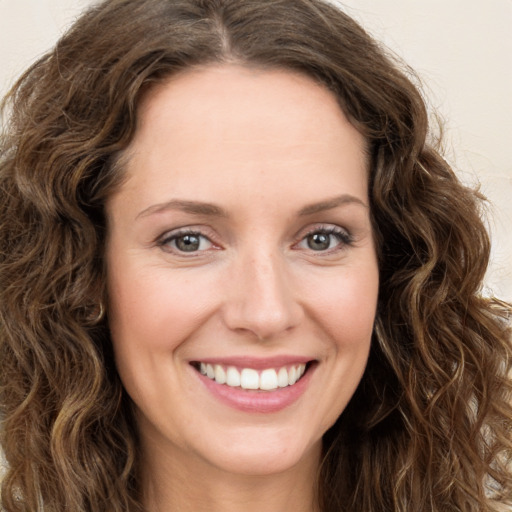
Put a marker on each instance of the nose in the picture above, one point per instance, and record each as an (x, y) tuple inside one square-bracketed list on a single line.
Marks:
[(260, 300)]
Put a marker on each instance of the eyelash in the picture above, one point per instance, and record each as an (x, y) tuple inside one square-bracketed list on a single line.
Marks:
[(344, 238), (165, 241)]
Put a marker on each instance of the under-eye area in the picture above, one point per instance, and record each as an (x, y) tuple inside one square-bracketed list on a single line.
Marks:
[(267, 379)]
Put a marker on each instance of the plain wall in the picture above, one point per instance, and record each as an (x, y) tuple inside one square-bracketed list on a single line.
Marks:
[(460, 48)]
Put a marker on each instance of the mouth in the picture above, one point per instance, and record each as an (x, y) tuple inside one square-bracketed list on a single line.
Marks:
[(267, 379), (256, 385)]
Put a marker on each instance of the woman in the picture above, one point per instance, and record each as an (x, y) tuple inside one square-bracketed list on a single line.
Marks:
[(236, 275)]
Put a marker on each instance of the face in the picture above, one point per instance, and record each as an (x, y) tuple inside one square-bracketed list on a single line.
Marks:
[(242, 271)]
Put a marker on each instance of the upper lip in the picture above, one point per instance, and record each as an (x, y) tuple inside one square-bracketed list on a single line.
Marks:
[(255, 362)]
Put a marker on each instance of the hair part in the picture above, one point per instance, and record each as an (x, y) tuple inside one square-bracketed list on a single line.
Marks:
[(429, 427)]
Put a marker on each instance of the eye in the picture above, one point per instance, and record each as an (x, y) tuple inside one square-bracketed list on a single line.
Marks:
[(186, 242), (325, 239)]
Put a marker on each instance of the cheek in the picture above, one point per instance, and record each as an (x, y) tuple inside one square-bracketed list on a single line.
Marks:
[(151, 316), (345, 303), (154, 307), (342, 306)]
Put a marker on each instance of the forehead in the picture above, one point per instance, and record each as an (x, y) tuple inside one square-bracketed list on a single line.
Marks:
[(262, 102), (241, 128)]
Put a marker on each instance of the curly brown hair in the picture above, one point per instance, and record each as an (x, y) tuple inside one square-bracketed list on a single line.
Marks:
[(430, 425)]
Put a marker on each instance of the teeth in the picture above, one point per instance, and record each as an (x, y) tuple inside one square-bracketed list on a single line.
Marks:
[(220, 374), (268, 379), (292, 376), (249, 378), (233, 377), (282, 378)]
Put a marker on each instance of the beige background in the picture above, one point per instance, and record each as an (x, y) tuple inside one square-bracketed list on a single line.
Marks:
[(461, 48)]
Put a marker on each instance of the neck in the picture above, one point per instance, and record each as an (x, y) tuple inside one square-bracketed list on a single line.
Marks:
[(183, 484)]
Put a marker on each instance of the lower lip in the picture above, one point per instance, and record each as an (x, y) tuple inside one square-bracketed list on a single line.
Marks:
[(257, 401)]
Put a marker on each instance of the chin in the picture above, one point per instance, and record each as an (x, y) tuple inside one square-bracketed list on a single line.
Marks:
[(265, 454)]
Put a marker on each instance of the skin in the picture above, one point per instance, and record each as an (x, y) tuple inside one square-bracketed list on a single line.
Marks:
[(263, 146)]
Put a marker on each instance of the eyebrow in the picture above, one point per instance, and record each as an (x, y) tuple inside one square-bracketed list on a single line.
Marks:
[(212, 210), (193, 207), (329, 204)]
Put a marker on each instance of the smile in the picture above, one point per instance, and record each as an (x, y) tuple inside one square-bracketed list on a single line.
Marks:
[(256, 385), (250, 378)]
